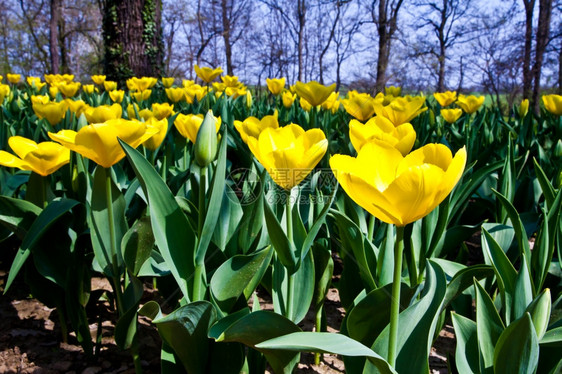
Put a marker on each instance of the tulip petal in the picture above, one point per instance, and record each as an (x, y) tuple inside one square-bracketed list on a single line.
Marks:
[(22, 146), (11, 161)]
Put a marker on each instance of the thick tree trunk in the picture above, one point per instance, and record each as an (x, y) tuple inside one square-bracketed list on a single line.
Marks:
[(543, 31), (560, 68), (384, 41), (132, 36), (226, 37), (442, 47), (301, 12), (527, 74), (54, 36)]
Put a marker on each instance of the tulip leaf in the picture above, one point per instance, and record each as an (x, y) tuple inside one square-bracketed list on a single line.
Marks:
[(523, 292), (231, 213), (45, 219), (323, 342), (137, 245), (17, 214), (465, 278), (258, 327), (238, 274), (489, 327), (284, 248), (170, 226), (546, 186), (215, 202), (517, 349), (539, 310), (552, 337), (466, 353), (126, 328), (416, 326)]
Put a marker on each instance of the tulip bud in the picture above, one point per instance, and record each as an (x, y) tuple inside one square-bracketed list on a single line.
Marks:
[(558, 148), (206, 142)]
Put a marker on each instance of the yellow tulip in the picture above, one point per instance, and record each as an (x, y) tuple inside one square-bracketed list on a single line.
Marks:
[(54, 79), (249, 100), (314, 92), (167, 82), (187, 82), (230, 81), (218, 87), (523, 108), (332, 103), (53, 91), (68, 89), (195, 92), (235, 92), (144, 114), (176, 94), (470, 103), (305, 105), (142, 95), (98, 79), (103, 113), (110, 85), (117, 96), (52, 111), (44, 158), (4, 91), (188, 125), (207, 74), (397, 189), (89, 88), (76, 106), (156, 140), (359, 105), (13, 78), (205, 147), (141, 84), (289, 153), (400, 110), (393, 91), (252, 127), (99, 143), (288, 98), (36, 83), (445, 98), (451, 115), (275, 85), (1, 78), (381, 129), (553, 103), (39, 99), (161, 111)]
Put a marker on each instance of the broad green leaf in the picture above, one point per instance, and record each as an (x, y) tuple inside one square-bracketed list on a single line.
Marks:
[(237, 274), (464, 279), (323, 342), (311, 235), (126, 328), (523, 293), (170, 226), (323, 271), (230, 216), (489, 327), (517, 349), (137, 245), (285, 250), (546, 186), (258, 327), (17, 215), (466, 353), (552, 337), (539, 310)]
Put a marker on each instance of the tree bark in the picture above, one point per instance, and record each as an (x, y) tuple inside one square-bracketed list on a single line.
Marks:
[(386, 26), (132, 35), (301, 15), (226, 37), (442, 47), (543, 31), (54, 36), (527, 74)]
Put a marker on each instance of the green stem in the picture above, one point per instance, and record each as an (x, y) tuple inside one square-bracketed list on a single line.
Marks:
[(113, 242), (318, 328), (136, 356), (371, 228), (199, 267), (289, 221), (395, 302), (413, 268)]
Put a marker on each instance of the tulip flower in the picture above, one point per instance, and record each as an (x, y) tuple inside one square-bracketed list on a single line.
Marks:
[(249, 99), (523, 108), (167, 82), (13, 78), (205, 147), (176, 94), (553, 103), (44, 158), (252, 127), (397, 189), (275, 85), (314, 92), (89, 89), (54, 79), (68, 89), (305, 105), (4, 91), (445, 98), (393, 91), (401, 110), (289, 153), (188, 125), (381, 129), (235, 92), (117, 96), (195, 92), (52, 111), (141, 84), (470, 103), (360, 106), (161, 111), (35, 82), (53, 91), (288, 98), (156, 140), (76, 106), (230, 81), (98, 79), (142, 95), (207, 74), (451, 115), (187, 83), (1, 78), (110, 85), (103, 113), (332, 103), (99, 143)]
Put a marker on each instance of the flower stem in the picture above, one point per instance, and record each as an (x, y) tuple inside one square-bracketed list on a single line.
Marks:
[(395, 302), (199, 267), (371, 228), (289, 221), (113, 242)]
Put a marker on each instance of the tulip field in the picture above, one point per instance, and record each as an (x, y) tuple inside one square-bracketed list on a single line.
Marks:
[(422, 211)]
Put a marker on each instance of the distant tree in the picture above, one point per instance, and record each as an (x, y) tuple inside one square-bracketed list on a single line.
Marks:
[(543, 33)]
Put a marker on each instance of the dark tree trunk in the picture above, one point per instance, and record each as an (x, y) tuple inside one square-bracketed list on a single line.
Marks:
[(226, 37), (301, 12), (442, 48), (543, 31), (384, 39), (560, 68), (54, 36), (527, 74), (132, 35)]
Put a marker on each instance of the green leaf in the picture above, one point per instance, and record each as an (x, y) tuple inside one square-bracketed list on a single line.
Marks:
[(285, 250), (539, 310), (489, 327), (258, 327), (323, 272), (546, 186), (17, 215), (49, 215), (137, 245), (236, 275), (552, 337), (323, 342), (523, 293), (517, 349), (466, 353), (231, 213), (170, 226), (464, 279), (126, 328)]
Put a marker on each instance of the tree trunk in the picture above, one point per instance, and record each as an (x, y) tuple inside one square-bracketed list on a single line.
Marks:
[(330, 37), (226, 37), (132, 35), (442, 48), (301, 12), (560, 68), (527, 74), (543, 31), (382, 60), (54, 36)]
